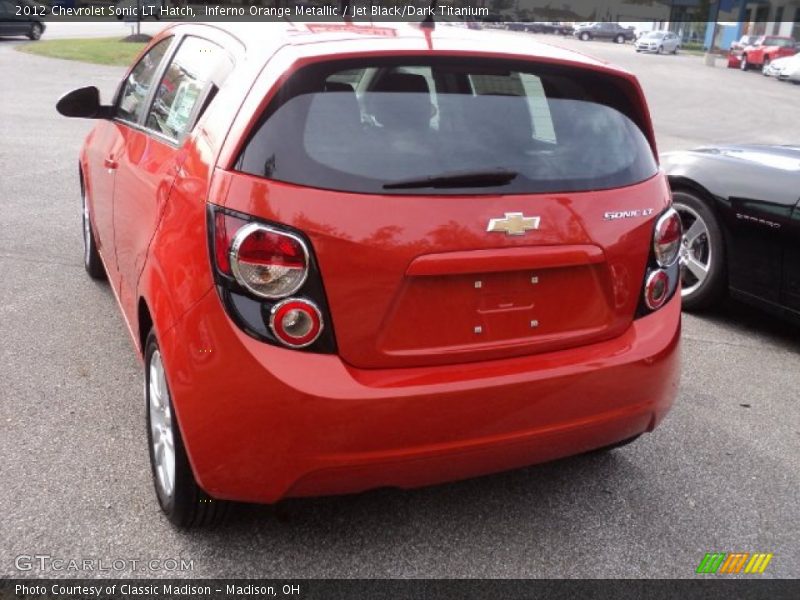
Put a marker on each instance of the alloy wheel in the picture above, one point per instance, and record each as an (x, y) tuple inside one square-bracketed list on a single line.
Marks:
[(695, 253), (161, 438)]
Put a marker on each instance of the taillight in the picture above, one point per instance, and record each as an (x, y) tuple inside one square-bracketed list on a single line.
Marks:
[(297, 323), (667, 238), (270, 263), (225, 226), (269, 281), (656, 289), (662, 274)]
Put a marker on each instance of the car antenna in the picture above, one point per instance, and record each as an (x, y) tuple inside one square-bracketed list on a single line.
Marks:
[(428, 22)]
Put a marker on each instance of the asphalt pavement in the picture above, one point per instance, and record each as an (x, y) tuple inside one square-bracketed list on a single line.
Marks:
[(722, 473)]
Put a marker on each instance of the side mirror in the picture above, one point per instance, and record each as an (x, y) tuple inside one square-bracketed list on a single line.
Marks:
[(83, 103)]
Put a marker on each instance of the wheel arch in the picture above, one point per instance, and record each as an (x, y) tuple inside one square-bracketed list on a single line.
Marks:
[(154, 307), (685, 183), (144, 323), (682, 183)]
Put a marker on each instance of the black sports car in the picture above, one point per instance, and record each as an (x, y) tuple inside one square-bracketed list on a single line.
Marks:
[(740, 207)]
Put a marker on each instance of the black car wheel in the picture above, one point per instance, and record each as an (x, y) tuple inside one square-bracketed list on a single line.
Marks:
[(764, 67), (620, 39), (180, 498), (743, 64), (91, 257), (660, 50), (702, 253), (585, 36), (36, 31)]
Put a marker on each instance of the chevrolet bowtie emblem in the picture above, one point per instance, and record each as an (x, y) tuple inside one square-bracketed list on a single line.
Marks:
[(513, 224)]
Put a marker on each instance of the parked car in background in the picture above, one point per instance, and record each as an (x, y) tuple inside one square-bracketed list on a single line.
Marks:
[(774, 68), (741, 225), (551, 27), (331, 291), (736, 49), (517, 26), (790, 71), (605, 31), (22, 17), (765, 50), (658, 42)]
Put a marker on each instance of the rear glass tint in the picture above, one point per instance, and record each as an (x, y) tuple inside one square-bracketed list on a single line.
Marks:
[(366, 127)]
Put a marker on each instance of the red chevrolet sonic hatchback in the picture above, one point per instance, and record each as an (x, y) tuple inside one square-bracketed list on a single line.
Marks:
[(354, 256)]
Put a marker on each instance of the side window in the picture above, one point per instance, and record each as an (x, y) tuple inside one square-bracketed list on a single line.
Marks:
[(136, 88), (196, 68)]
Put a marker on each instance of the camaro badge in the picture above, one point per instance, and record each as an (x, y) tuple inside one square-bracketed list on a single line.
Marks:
[(513, 224)]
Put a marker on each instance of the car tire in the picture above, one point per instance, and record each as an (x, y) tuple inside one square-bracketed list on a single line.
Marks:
[(585, 37), (675, 51), (702, 252), (36, 32), (620, 39), (764, 67), (660, 50), (91, 257), (181, 499), (743, 64)]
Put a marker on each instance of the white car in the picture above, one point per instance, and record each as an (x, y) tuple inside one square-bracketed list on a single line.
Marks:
[(774, 68), (659, 42), (790, 69)]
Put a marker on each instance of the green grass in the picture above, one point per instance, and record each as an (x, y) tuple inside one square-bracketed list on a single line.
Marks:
[(101, 51), (692, 48)]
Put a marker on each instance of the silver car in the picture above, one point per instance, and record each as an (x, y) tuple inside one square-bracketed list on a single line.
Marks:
[(659, 42)]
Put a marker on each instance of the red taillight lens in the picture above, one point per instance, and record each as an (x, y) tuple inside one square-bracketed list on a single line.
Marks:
[(270, 263), (667, 238), (656, 289), (296, 323), (225, 227)]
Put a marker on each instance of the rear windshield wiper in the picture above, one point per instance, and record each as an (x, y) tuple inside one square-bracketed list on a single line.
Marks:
[(456, 179)]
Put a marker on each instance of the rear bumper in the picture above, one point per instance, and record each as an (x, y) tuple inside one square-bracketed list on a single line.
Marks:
[(261, 423)]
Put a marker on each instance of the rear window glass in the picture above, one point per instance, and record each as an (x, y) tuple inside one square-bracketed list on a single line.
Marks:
[(449, 126)]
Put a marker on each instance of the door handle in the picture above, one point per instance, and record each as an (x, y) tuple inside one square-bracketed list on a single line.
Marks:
[(110, 164)]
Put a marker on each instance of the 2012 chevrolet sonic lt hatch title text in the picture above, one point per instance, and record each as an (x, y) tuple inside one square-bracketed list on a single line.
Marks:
[(353, 256)]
